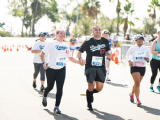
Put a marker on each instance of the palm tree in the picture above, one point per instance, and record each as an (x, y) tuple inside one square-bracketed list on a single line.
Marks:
[(118, 10), (127, 11), (154, 4), (91, 8)]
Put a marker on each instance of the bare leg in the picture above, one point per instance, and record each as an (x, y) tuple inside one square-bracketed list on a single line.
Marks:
[(133, 90), (137, 79), (42, 82)]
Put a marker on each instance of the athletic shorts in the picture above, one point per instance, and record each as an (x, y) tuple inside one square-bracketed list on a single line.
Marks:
[(77, 48), (72, 47), (107, 59), (141, 70), (97, 78)]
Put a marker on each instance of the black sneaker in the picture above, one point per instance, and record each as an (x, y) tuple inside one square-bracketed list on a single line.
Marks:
[(44, 101), (42, 88), (90, 106), (34, 85)]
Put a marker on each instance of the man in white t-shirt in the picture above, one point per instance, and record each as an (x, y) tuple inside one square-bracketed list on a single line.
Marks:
[(79, 42)]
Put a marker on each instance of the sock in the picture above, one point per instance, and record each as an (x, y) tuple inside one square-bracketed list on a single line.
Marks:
[(95, 91), (89, 96)]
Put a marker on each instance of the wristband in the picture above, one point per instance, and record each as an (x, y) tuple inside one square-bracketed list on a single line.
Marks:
[(80, 58), (158, 51), (43, 63)]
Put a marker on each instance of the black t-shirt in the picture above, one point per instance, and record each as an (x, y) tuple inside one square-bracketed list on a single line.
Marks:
[(95, 48)]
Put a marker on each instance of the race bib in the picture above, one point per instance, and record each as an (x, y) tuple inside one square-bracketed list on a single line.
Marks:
[(139, 56), (96, 61), (158, 56), (61, 61), (138, 63)]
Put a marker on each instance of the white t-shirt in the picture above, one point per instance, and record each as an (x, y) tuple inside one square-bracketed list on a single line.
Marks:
[(138, 54), (79, 41), (58, 52), (145, 39), (38, 45)]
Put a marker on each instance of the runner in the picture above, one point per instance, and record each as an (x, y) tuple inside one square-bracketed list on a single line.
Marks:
[(95, 69), (38, 66), (79, 42), (105, 34), (140, 54), (155, 62), (55, 68), (73, 43)]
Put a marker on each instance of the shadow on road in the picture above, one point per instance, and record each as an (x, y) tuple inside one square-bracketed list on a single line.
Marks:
[(151, 110), (105, 116), (156, 92), (117, 85), (60, 116), (51, 95)]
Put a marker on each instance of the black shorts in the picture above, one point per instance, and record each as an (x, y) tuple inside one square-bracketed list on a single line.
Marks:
[(141, 70), (77, 48), (97, 78)]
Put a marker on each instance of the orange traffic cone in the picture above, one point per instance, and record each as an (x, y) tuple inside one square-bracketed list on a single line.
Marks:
[(17, 49), (28, 48), (7, 48), (4, 49), (116, 60), (113, 55), (10, 48)]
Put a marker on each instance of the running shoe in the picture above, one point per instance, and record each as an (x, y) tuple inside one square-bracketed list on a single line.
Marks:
[(131, 98), (56, 110), (138, 103), (42, 88), (34, 85), (158, 87), (151, 89), (44, 101), (90, 106), (108, 80)]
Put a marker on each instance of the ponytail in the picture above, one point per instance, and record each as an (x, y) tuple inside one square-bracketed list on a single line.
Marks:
[(37, 40)]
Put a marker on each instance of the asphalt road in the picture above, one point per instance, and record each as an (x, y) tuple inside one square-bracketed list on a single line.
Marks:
[(19, 101)]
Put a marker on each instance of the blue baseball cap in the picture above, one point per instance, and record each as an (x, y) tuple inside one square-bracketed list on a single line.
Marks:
[(105, 31), (42, 33), (139, 36)]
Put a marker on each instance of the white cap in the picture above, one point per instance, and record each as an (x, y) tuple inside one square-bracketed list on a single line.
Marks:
[(158, 30)]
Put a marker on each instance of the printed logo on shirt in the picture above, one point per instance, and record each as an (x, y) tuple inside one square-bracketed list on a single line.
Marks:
[(41, 46), (61, 47), (102, 51), (97, 48)]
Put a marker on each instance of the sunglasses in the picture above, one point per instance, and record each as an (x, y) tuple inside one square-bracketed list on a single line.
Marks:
[(42, 35), (106, 33)]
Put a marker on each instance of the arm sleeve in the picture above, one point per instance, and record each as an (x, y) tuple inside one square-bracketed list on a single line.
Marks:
[(47, 48), (128, 54), (35, 46), (83, 47)]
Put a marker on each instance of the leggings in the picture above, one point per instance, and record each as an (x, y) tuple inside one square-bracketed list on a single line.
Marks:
[(155, 65), (58, 76), (38, 67)]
